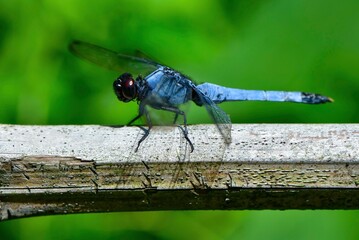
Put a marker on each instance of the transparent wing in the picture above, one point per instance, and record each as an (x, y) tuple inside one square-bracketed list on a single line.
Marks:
[(219, 117), (112, 60)]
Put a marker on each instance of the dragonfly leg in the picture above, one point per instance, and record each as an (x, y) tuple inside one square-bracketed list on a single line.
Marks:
[(135, 119), (142, 111), (175, 118), (184, 130), (147, 131)]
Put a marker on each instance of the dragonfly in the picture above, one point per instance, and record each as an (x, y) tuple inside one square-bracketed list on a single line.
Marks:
[(164, 88)]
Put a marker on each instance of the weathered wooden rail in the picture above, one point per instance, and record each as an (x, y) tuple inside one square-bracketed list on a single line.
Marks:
[(73, 169)]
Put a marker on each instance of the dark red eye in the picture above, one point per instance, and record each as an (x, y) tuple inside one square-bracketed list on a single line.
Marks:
[(128, 88), (125, 87)]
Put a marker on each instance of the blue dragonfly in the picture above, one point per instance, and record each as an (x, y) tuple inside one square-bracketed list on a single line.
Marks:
[(166, 89)]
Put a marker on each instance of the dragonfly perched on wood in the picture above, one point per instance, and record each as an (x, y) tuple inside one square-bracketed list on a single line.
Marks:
[(166, 89)]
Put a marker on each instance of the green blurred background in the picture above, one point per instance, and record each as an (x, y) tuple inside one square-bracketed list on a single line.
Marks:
[(273, 45)]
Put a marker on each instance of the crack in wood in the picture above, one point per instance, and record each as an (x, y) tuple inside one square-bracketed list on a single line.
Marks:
[(266, 166)]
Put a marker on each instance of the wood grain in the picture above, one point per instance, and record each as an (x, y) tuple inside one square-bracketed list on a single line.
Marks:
[(71, 169)]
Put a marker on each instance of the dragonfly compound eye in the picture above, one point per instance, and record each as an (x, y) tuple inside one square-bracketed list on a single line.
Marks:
[(125, 87)]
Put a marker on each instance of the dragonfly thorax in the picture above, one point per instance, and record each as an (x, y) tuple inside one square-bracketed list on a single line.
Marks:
[(125, 87)]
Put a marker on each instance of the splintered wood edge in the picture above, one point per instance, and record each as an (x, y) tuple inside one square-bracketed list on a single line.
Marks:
[(71, 169)]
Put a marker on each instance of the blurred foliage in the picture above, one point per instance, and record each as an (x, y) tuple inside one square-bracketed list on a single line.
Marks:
[(275, 45)]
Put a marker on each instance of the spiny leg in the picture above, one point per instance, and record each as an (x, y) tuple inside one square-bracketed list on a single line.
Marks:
[(184, 130), (147, 131), (142, 111), (175, 118)]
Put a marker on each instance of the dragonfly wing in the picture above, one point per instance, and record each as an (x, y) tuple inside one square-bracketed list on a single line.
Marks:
[(219, 117), (112, 60)]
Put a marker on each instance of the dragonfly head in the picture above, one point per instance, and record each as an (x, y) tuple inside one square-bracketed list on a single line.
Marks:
[(125, 87)]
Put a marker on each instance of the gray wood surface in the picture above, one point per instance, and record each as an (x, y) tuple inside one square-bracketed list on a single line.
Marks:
[(72, 169)]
